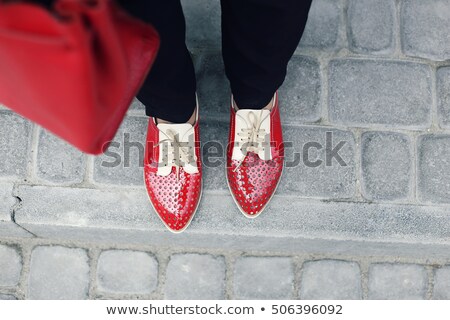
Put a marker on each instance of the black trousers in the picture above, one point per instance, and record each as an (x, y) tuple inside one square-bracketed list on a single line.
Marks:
[(258, 39)]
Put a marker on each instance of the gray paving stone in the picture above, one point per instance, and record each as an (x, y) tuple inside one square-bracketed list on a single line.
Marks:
[(202, 23), (137, 105), (129, 212), (397, 281), (309, 172), (441, 288), (322, 28), (212, 85), (122, 271), (57, 161), (7, 201), (434, 168), (391, 93), (9, 229), (10, 266), (425, 28), (122, 163), (82, 207), (443, 96), (371, 25), (15, 133), (263, 278), (58, 273), (386, 163), (214, 135), (330, 280), (195, 276), (299, 243), (300, 93), (7, 297)]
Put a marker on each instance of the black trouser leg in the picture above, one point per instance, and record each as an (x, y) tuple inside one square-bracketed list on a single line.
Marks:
[(169, 90), (258, 39)]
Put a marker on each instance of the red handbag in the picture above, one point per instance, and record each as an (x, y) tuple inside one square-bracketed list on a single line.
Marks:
[(75, 69)]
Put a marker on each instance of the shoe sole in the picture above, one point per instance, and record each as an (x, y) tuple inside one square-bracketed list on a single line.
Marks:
[(252, 216), (190, 220)]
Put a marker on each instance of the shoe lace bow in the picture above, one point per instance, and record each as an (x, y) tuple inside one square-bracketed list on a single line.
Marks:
[(252, 138), (179, 153)]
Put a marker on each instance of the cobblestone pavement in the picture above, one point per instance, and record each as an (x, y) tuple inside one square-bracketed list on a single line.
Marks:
[(50, 269), (373, 223)]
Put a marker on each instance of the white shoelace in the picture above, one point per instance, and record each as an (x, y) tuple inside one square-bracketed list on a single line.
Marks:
[(253, 137), (179, 154)]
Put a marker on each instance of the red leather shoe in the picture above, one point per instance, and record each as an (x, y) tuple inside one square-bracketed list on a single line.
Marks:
[(173, 172), (255, 157)]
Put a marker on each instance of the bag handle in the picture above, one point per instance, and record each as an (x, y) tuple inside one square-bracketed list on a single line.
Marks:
[(98, 15)]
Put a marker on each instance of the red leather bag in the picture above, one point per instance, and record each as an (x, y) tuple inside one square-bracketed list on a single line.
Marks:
[(75, 69)]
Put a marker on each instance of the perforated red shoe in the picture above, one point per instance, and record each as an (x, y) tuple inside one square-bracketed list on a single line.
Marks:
[(255, 157), (173, 172)]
